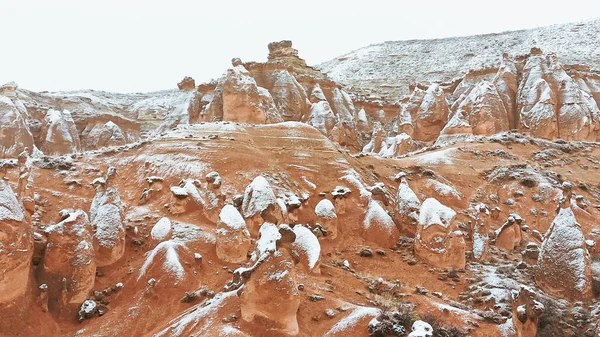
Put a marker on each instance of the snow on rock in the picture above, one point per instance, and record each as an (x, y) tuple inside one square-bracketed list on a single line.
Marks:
[(480, 112), (258, 197), (327, 218), (346, 325), (199, 318), (267, 240), (432, 212), (70, 257), (322, 117), (407, 208), (164, 263), (16, 135), (162, 230), (59, 133), (109, 234), (421, 329), (434, 242), (260, 204), (442, 189), (378, 227), (16, 246), (441, 157), (564, 267), (432, 115), (306, 247), (10, 209), (103, 134), (232, 237), (289, 96)]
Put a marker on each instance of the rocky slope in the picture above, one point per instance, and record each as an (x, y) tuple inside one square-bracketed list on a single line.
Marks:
[(275, 202), (387, 69)]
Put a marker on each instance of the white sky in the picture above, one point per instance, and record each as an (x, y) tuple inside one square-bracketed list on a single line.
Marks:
[(136, 46)]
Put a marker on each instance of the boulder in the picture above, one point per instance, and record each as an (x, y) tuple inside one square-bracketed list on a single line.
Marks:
[(162, 230), (509, 236), (233, 240), (16, 246), (564, 266)]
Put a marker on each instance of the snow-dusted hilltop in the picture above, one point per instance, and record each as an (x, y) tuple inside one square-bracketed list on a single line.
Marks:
[(388, 68)]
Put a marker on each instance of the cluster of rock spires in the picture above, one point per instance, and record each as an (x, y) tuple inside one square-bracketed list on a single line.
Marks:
[(534, 94)]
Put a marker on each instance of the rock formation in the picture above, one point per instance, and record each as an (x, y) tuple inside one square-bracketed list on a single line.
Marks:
[(271, 291), (526, 312), (435, 243), (15, 135), (509, 236), (69, 266), (307, 249), (378, 227), (407, 208), (233, 239), (259, 204), (564, 269), (16, 246), (327, 218), (59, 134)]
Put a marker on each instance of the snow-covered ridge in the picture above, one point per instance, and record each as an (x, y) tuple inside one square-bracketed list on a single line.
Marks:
[(388, 68)]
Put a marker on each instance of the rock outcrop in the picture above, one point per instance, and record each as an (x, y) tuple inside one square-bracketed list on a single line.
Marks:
[(564, 267), (16, 247), (327, 218), (407, 208), (527, 312), (435, 243), (69, 266), (271, 291), (259, 204), (378, 227), (232, 236), (59, 134), (14, 132)]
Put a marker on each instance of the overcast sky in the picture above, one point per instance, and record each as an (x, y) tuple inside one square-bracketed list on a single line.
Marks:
[(135, 46)]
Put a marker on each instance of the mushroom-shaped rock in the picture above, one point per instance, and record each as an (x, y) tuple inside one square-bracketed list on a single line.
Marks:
[(69, 266), (232, 237), (434, 242), (526, 312), (378, 227), (327, 218), (109, 235), (271, 291), (564, 267), (16, 246), (407, 208), (59, 133), (421, 329), (166, 264), (259, 204), (307, 249), (162, 230), (16, 135)]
